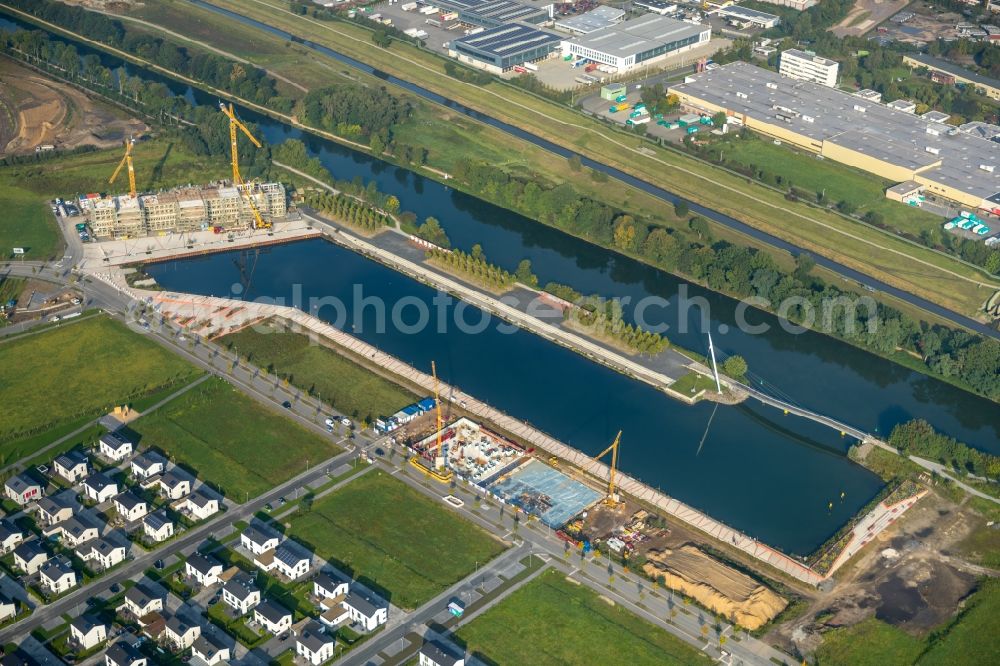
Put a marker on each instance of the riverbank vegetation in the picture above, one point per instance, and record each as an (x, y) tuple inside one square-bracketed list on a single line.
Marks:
[(603, 319), (919, 438)]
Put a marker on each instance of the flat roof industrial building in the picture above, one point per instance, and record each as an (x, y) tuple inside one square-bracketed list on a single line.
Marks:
[(499, 49), (751, 16), (495, 13), (839, 126), (639, 41), (592, 21)]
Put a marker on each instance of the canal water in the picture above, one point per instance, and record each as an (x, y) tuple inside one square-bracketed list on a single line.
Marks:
[(767, 474)]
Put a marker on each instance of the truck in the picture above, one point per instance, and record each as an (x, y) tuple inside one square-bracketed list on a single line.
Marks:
[(428, 10), (624, 106), (705, 120), (638, 113), (520, 70), (591, 67), (531, 67), (640, 106), (692, 129), (621, 98), (641, 120)]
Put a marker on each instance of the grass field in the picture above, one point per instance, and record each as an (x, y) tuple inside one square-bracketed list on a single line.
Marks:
[(897, 262), (350, 388), (27, 222), (552, 621), (969, 639), (77, 371), (232, 441), (393, 538), (693, 382)]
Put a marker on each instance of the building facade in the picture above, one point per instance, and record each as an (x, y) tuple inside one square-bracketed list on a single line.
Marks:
[(807, 66)]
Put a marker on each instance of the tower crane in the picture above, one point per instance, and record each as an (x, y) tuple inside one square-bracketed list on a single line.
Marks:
[(612, 499), (127, 159), (235, 124), (437, 407)]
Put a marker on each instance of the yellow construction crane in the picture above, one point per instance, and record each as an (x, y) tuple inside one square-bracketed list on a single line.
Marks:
[(612, 498), (437, 406), (234, 124), (127, 159)]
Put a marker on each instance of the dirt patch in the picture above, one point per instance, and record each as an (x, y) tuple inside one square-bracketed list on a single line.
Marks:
[(715, 586), (865, 15), (37, 113), (907, 577)]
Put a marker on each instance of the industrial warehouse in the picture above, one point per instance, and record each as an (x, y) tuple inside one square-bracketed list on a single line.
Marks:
[(499, 49), (495, 13), (181, 210), (896, 145), (637, 42)]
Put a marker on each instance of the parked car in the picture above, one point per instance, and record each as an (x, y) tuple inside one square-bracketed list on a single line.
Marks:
[(286, 405)]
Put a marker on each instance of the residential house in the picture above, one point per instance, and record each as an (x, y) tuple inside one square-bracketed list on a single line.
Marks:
[(174, 486), (203, 568), (366, 611), (57, 575), (158, 526), (327, 586), (436, 653), (74, 532), (114, 446), (148, 464), (30, 556), (102, 554), (87, 632), (8, 608), (179, 633), (124, 654), (292, 560), (331, 591), (313, 645), (273, 616), (130, 506), (241, 593), (22, 489), (198, 505), (10, 536), (73, 465), (140, 601), (56, 509), (259, 538), (210, 650), (99, 488)]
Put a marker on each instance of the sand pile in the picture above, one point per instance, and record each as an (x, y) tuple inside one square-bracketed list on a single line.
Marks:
[(715, 586)]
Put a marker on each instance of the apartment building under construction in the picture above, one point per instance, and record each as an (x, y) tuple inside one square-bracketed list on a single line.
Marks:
[(182, 209)]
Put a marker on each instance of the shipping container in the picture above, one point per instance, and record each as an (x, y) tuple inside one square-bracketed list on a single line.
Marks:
[(568, 56), (693, 129), (531, 66), (615, 108), (408, 7), (428, 10), (637, 121)]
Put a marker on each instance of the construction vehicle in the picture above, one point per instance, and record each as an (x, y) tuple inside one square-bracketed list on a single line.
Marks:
[(126, 160), (612, 499), (620, 107), (234, 124)]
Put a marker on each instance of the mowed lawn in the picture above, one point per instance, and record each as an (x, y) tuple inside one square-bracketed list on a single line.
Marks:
[(27, 223), (552, 621), (392, 537), (232, 441), (350, 388), (78, 370)]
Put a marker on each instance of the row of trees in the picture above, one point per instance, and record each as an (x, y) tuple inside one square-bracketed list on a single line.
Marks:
[(919, 438), (242, 79), (742, 272), (604, 318), (474, 266), (348, 209), (432, 232)]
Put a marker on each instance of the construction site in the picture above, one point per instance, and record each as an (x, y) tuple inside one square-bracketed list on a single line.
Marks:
[(221, 206)]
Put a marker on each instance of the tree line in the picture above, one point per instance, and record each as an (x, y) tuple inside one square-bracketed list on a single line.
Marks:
[(351, 109), (242, 79), (742, 272), (473, 266), (919, 438), (348, 209)]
